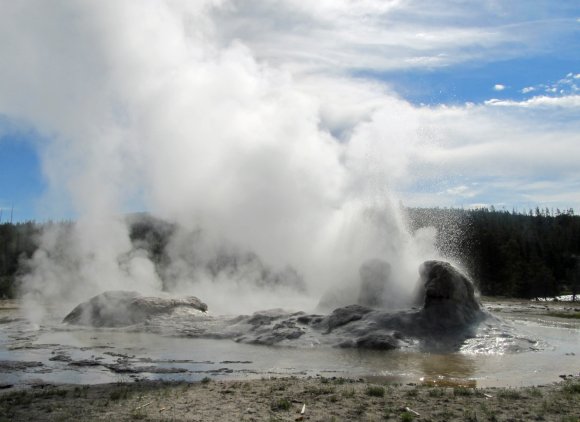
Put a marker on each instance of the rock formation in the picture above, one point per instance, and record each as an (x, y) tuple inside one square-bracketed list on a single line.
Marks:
[(450, 314), (122, 308), (449, 296)]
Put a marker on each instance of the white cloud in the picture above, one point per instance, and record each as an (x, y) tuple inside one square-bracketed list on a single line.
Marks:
[(380, 35), (461, 190), (570, 101), (299, 47), (498, 87), (564, 86)]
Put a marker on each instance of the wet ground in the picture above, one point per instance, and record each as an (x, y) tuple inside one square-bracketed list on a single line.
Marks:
[(535, 343)]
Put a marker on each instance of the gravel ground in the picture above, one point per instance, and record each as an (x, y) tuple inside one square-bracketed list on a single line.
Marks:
[(284, 399)]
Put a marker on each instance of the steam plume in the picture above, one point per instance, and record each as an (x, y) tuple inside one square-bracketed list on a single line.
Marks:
[(144, 106)]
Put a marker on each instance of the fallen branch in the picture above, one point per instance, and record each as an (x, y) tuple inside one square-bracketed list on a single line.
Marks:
[(408, 409), (142, 406)]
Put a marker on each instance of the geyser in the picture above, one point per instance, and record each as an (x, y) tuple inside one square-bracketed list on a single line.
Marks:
[(450, 315)]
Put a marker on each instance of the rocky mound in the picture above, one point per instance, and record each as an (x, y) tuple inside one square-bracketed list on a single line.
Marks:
[(122, 308), (450, 314)]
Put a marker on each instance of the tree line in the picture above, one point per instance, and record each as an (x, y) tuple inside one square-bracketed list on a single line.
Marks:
[(512, 254), (17, 243)]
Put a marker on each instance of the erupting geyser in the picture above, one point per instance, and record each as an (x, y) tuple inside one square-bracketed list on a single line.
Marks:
[(450, 315), (290, 175)]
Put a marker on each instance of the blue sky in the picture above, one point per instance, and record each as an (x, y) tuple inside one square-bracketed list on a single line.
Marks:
[(21, 180), (475, 82), (512, 147)]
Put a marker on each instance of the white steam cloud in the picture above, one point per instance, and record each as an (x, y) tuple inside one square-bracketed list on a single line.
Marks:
[(144, 108)]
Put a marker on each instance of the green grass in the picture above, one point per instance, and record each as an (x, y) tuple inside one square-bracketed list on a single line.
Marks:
[(436, 392), (534, 392), (375, 391), (119, 394), (469, 415), (573, 315), (507, 393), (572, 388), (348, 392), (81, 392), (280, 404), (463, 391), (138, 414), (16, 398), (320, 391), (488, 412), (52, 393)]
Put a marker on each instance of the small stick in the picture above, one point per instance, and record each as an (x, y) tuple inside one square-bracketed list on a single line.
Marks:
[(487, 395), (303, 409), (408, 409), (145, 405)]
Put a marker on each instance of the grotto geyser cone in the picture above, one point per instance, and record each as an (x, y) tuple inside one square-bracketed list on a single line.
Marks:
[(449, 315)]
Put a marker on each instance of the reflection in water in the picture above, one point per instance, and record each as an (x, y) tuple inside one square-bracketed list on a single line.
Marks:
[(453, 369), (452, 365)]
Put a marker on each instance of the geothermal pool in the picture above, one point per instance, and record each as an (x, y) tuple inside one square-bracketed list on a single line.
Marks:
[(56, 353)]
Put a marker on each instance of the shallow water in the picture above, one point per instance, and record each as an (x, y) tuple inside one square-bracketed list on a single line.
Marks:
[(65, 354)]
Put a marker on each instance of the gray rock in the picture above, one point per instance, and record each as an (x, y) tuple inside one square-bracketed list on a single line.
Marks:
[(122, 308), (449, 296), (450, 315)]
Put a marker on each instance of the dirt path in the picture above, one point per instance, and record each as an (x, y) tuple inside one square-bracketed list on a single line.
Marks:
[(323, 399)]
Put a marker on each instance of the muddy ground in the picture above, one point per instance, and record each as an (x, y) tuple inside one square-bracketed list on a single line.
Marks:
[(323, 399)]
